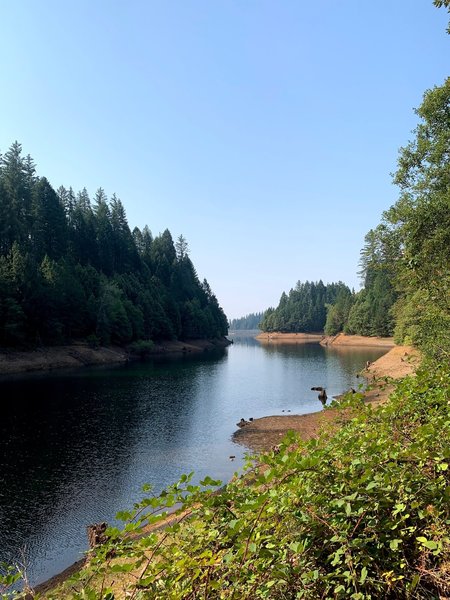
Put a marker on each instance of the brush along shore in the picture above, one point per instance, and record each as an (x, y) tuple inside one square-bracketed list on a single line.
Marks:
[(359, 512), (249, 518)]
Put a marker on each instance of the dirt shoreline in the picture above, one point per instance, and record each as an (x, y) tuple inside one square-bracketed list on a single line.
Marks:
[(340, 339), (80, 354), (262, 434), (297, 338)]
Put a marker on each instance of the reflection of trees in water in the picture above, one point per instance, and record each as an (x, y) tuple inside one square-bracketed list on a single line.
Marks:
[(57, 437), (353, 359), (294, 349), (246, 339), (67, 442)]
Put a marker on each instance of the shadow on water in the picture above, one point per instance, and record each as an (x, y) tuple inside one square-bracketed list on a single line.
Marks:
[(77, 447)]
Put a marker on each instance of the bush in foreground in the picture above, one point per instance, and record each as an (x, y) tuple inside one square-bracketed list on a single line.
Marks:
[(363, 513)]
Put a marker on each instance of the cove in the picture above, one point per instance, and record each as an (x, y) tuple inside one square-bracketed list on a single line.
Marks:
[(76, 447)]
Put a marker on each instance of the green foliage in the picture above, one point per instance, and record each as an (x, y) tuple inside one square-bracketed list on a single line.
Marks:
[(304, 309), (142, 348), (446, 4), (372, 311), (337, 313), (422, 321), (250, 321), (361, 514), (419, 226), (405, 262), (73, 270), (8, 577)]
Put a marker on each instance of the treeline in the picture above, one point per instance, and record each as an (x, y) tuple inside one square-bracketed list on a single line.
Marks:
[(405, 262), (406, 259), (71, 268), (304, 308), (369, 311), (250, 321)]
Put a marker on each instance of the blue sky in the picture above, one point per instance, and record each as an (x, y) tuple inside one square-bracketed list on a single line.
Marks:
[(263, 131)]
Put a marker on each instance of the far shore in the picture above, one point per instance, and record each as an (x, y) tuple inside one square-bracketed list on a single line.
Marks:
[(340, 339), (80, 354), (296, 338)]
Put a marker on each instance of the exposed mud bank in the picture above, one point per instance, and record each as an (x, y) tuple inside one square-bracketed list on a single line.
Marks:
[(289, 338), (264, 433), (326, 340), (357, 340), (82, 355)]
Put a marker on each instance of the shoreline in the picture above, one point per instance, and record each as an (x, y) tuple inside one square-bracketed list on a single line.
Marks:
[(297, 338), (263, 433), (266, 432), (341, 339), (80, 354)]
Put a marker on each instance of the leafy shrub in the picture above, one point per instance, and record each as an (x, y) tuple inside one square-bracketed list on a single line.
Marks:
[(362, 514), (142, 348)]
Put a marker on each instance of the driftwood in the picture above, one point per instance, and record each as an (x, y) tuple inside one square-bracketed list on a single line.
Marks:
[(96, 534), (322, 394)]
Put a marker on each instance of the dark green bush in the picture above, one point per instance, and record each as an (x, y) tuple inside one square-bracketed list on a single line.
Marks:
[(361, 514), (141, 348)]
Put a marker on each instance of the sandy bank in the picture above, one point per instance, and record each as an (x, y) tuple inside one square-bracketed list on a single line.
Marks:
[(397, 363), (357, 340), (81, 355), (297, 338), (262, 434), (326, 340)]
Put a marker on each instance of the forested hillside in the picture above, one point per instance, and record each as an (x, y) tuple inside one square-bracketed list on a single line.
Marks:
[(250, 321), (406, 259), (304, 308), (70, 268), (405, 262)]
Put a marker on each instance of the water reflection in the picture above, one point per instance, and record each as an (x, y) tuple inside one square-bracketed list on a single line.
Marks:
[(76, 447)]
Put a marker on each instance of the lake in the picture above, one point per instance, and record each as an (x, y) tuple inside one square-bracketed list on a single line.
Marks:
[(76, 447)]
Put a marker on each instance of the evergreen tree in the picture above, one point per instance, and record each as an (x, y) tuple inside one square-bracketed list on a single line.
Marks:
[(304, 309), (250, 321), (49, 229), (69, 270)]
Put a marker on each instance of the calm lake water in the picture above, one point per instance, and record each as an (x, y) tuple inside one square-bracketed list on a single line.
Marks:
[(76, 447)]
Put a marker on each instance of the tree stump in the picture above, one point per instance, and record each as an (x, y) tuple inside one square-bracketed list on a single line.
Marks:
[(96, 534)]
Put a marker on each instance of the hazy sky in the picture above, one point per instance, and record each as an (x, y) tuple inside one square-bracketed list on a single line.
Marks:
[(263, 131)]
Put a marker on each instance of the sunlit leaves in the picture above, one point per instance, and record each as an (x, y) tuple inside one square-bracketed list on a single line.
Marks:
[(363, 514)]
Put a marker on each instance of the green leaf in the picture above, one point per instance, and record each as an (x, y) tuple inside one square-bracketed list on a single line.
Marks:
[(393, 544), (371, 485), (363, 575), (430, 544)]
